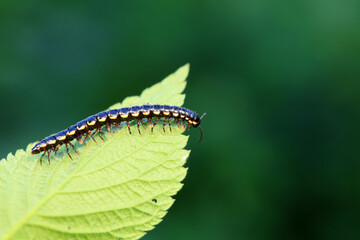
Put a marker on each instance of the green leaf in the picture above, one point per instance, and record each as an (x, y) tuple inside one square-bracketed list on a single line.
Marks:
[(116, 189)]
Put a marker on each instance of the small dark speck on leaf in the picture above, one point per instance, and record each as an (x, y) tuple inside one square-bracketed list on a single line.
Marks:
[(69, 227), (154, 200)]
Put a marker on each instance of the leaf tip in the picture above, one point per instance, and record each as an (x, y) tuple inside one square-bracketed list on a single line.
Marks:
[(184, 70)]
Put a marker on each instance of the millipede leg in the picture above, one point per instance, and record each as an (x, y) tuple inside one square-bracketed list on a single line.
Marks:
[(74, 148), (79, 139), (42, 157), (92, 135), (49, 156), (150, 123), (164, 124), (116, 126), (101, 135), (128, 125), (169, 122), (201, 134), (143, 125), (85, 138), (85, 141), (109, 127), (138, 126), (157, 119), (182, 123), (55, 151), (67, 150), (177, 122)]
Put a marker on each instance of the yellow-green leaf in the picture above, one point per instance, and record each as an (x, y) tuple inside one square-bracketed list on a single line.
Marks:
[(116, 189)]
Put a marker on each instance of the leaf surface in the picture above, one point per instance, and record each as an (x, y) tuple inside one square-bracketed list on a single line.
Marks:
[(116, 189)]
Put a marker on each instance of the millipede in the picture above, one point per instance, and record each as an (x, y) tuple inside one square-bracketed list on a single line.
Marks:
[(88, 127)]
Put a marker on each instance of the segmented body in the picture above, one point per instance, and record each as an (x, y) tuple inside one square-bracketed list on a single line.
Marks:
[(114, 117)]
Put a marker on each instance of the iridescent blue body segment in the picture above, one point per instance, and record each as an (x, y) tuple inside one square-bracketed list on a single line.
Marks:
[(88, 127)]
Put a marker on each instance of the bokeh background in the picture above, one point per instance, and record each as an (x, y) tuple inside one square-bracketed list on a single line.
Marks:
[(279, 81)]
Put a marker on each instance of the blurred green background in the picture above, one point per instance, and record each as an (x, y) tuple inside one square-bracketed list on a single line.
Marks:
[(279, 81)]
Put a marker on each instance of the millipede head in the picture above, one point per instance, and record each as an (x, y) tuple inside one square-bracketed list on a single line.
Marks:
[(197, 120)]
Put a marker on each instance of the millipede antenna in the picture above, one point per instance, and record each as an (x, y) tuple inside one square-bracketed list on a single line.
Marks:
[(201, 131), (203, 116), (201, 135)]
